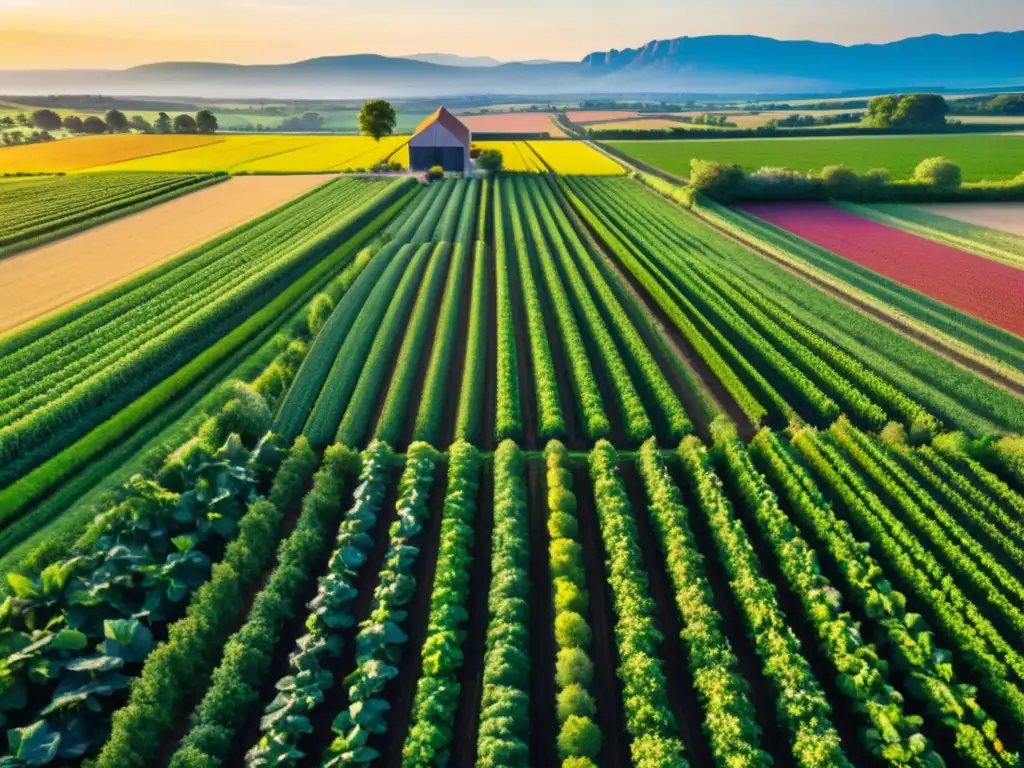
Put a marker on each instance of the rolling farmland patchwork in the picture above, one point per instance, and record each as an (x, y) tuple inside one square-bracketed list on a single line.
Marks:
[(533, 469)]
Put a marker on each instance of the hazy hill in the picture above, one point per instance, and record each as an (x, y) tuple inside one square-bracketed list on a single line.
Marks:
[(714, 64)]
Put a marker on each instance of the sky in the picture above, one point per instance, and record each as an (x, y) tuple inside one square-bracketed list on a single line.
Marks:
[(58, 34)]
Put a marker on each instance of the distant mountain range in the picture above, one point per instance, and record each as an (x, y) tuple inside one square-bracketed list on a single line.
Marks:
[(719, 64)]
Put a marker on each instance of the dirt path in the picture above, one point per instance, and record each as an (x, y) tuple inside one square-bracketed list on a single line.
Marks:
[(457, 359), (37, 282)]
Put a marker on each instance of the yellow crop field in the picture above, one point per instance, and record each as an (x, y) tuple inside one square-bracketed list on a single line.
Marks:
[(330, 153), (272, 154), (90, 152), (575, 157), (517, 155)]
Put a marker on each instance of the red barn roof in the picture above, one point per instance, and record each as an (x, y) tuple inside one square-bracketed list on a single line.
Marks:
[(455, 126)]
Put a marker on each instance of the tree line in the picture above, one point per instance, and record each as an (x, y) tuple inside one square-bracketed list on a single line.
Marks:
[(116, 121)]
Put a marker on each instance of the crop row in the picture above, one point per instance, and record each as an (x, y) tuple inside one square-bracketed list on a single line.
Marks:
[(36, 214), (378, 644), (921, 665), (132, 574), (437, 691), (504, 704), (332, 611), (91, 387), (975, 639), (579, 738), (649, 721)]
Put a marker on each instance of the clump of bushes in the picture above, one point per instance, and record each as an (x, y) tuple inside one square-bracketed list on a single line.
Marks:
[(934, 179), (938, 172)]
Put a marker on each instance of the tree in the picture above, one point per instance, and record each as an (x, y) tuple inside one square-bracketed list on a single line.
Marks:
[(938, 172), (206, 121), (722, 182), (163, 123), (185, 124), (377, 118), (23, 119), (116, 121), (1007, 104), (73, 123), (7, 121), (94, 125), (141, 124), (491, 160), (46, 119), (880, 111), (921, 112)]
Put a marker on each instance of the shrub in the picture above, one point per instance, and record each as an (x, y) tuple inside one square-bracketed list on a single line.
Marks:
[(578, 762), (579, 736), (719, 181), (878, 177), (573, 700), (561, 500), (572, 630), (938, 172), (490, 160), (319, 310), (573, 667), (562, 525), (569, 597), (893, 434), (1009, 451), (952, 443), (559, 478), (782, 184), (245, 414), (840, 180), (566, 559), (435, 172)]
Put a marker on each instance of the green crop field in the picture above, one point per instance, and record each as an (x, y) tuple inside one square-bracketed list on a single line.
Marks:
[(529, 470), (981, 158)]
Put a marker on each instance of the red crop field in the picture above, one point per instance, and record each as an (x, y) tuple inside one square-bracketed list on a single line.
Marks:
[(988, 290)]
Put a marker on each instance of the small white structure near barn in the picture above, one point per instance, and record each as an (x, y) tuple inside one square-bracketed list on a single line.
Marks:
[(442, 139)]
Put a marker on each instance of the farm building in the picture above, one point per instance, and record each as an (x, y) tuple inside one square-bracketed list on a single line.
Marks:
[(442, 139)]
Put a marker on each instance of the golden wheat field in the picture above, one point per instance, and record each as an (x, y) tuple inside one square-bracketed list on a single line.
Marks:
[(517, 155)]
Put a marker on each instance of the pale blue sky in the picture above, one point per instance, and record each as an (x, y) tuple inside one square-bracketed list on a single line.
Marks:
[(35, 33)]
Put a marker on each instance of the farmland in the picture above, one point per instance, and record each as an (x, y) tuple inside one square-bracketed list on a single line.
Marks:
[(980, 157), (49, 277), (531, 469), (514, 122), (990, 291), (180, 153)]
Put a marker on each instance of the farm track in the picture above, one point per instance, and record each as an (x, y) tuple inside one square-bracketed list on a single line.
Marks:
[(401, 691), (976, 366), (607, 688), (682, 695), (543, 730), (463, 752)]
